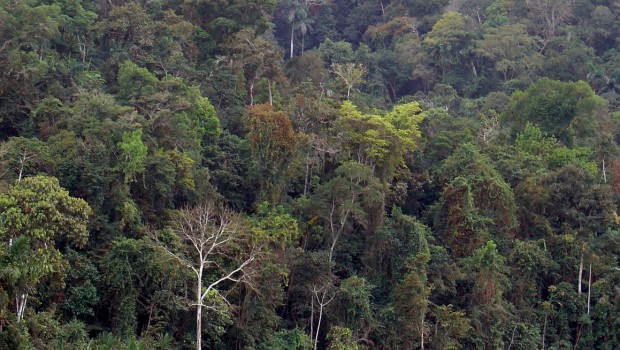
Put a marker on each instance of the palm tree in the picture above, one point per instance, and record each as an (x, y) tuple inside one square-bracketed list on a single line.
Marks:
[(304, 25), (297, 13)]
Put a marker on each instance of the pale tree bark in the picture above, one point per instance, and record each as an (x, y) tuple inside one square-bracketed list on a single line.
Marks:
[(550, 14), (21, 299), (350, 73), (292, 36), (326, 297), (23, 158), (270, 93), (580, 272), (589, 286), (208, 234), (20, 306)]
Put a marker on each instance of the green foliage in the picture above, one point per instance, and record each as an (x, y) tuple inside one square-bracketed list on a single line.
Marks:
[(377, 141), (511, 50), (412, 295), (38, 208), (346, 200), (475, 203), (173, 112), (399, 156), (452, 326), (25, 157), (353, 303), (293, 339), (274, 225), (564, 110), (548, 150), (82, 279), (340, 338), (534, 141), (273, 143), (132, 154)]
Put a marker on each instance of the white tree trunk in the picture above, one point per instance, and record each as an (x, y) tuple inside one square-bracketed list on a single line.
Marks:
[(312, 318), (252, 94), (580, 273), (270, 94), (199, 300), (318, 326), (292, 36), (589, 286), (20, 306)]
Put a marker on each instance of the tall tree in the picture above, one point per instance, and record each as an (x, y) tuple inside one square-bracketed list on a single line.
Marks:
[(475, 202), (273, 144), (210, 243), (564, 110), (35, 215)]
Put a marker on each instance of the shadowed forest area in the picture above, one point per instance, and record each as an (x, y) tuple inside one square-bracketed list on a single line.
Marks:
[(309, 174)]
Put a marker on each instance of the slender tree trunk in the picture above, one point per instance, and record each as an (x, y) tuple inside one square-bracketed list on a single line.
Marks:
[(580, 272), (589, 286), (422, 333), (22, 162), (270, 95), (199, 310), (20, 300), (312, 317), (332, 248), (318, 325), (512, 339), (292, 36), (20, 306), (544, 332), (307, 177), (199, 327), (604, 172), (252, 94), (578, 336), (302, 44)]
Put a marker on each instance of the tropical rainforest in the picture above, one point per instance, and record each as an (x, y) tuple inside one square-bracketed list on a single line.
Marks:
[(309, 174)]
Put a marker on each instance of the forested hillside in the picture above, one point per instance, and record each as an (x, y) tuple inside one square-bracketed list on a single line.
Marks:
[(310, 174)]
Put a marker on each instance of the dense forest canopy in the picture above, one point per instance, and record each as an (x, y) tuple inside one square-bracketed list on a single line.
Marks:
[(310, 174)]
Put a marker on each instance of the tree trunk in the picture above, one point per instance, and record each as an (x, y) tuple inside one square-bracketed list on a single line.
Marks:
[(20, 306), (22, 162), (318, 325), (292, 36), (270, 95), (199, 310), (252, 94), (589, 286), (312, 318), (422, 333), (199, 327), (544, 332), (580, 272), (307, 176)]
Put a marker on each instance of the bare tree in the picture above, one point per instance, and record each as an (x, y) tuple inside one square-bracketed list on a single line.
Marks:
[(351, 74), (549, 15), (210, 240)]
